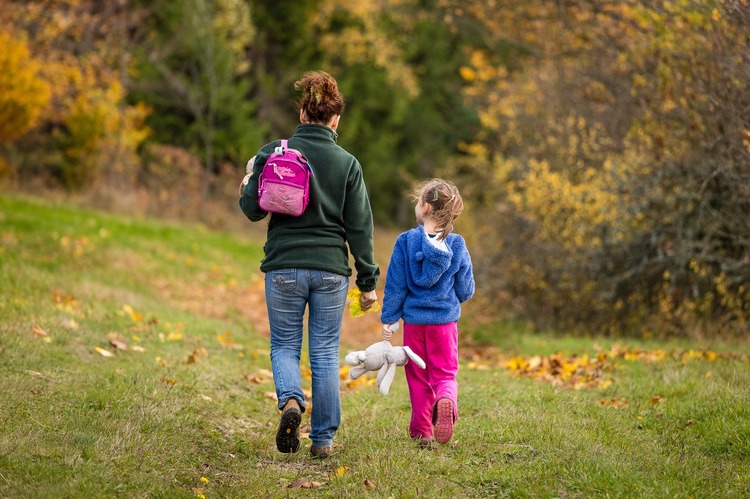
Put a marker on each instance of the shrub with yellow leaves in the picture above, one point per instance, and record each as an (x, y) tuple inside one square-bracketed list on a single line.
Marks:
[(23, 93)]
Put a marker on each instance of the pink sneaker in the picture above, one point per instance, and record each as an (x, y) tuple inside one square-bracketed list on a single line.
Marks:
[(443, 420)]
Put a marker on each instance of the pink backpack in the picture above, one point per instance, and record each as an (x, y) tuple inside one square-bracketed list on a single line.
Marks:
[(284, 183)]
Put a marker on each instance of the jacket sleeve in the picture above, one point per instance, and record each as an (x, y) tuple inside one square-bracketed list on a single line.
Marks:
[(396, 287), (465, 276), (358, 224), (249, 198)]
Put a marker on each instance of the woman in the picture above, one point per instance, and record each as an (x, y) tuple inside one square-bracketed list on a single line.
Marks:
[(306, 264)]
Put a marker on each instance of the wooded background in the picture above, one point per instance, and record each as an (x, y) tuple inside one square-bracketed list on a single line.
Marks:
[(602, 147)]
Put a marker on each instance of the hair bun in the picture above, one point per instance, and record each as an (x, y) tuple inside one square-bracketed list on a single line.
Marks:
[(320, 97)]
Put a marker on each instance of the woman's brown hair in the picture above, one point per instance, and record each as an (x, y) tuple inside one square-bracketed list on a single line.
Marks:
[(445, 201), (320, 98)]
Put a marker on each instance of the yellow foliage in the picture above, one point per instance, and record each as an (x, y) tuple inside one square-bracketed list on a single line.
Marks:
[(96, 118), (23, 94), (579, 372), (355, 307), (78, 91), (569, 212), (366, 42), (468, 73), (558, 369)]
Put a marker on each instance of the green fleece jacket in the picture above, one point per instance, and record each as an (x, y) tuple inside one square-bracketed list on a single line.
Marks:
[(338, 212)]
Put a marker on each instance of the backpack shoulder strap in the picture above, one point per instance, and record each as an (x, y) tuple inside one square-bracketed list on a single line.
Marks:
[(283, 147)]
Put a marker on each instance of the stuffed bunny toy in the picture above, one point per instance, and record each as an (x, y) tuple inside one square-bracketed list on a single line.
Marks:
[(382, 357)]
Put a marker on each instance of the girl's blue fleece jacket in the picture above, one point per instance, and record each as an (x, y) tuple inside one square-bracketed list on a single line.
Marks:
[(425, 284)]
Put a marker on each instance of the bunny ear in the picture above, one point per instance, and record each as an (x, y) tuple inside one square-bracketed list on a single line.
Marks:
[(385, 383), (416, 358)]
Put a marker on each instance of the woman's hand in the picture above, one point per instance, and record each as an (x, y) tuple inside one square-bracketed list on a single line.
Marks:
[(367, 299)]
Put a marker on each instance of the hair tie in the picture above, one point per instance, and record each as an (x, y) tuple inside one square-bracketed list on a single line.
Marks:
[(435, 195)]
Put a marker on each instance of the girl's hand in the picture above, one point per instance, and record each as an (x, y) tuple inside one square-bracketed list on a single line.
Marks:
[(387, 333), (388, 330)]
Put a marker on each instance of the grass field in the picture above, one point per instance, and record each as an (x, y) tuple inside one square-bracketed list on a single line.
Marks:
[(134, 365)]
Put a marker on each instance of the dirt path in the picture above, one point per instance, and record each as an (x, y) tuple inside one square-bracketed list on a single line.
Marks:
[(247, 300), (356, 333)]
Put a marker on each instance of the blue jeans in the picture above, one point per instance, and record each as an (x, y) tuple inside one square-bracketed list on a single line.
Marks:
[(288, 293)]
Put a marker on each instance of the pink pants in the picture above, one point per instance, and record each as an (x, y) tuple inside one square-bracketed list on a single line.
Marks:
[(437, 345)]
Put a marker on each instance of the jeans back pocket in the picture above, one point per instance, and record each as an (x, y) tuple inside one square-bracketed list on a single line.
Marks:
[(284, 280)]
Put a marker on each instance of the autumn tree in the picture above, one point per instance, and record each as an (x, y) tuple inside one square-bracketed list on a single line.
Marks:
[(23, 93), (398, 65), (614, 144), (85, 119), (191, 72)]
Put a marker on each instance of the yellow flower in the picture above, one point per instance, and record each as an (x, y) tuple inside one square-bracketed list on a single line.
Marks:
[(355, 307)]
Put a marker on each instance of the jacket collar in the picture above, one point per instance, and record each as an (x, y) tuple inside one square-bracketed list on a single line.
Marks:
[(314, 130)]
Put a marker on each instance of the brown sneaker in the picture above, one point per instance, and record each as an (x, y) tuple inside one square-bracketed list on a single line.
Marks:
[(321, 452), (287, 437), (443, 420)]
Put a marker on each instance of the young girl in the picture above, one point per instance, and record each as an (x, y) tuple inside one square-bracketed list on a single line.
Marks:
[(429, 276)]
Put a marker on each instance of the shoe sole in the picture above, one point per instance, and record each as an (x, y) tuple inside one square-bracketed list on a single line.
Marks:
[(287, 438), (444, 421)]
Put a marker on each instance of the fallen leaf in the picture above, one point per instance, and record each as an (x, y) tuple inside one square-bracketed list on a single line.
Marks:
[(304, 483), (38, 331), (134, 316), (196, 355), (227, 341), (138, 348), (174, 336), (271, 395), (36, 374), (341, 470), (655, 400), (168, 381), (63, 298), (614, 403), (369, 484), (253, 379), (119, 345), (103, 352)]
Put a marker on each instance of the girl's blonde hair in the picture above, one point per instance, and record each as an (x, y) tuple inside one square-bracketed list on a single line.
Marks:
[(445, 201)]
